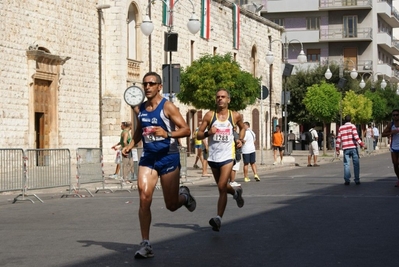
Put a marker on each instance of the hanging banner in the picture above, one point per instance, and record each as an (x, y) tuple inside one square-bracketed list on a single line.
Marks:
[(205, 19), (236, 26), (167, 17)]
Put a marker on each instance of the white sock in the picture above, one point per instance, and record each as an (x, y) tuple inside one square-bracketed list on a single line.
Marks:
[(220, 218)]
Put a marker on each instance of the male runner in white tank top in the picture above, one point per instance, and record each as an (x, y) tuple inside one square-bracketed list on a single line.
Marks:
[(222, 150)]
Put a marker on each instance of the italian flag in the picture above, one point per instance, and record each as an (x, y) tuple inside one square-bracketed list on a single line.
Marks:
[(236, 26), (167, 19), (205, 19)]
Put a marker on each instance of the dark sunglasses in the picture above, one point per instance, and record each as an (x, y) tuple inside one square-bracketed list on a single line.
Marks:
[(149, 83), (395, 115)]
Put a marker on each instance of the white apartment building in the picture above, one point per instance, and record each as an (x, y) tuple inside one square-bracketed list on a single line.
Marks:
[(66, 64), (354, 33)]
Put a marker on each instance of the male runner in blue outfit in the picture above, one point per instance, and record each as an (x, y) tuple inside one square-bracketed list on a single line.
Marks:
[(159, 126)]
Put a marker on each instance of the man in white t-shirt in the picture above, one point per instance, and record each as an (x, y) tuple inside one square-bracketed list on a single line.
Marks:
[(313, 147), (249, 153)]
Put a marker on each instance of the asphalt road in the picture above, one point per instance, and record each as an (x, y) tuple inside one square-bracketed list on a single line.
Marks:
[(298, 216)]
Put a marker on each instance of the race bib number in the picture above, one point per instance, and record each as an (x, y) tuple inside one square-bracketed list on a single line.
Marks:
[(149, 134), (222, 135)]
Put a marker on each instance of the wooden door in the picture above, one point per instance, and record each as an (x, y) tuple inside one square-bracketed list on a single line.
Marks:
[(42, 100), (350, 58)]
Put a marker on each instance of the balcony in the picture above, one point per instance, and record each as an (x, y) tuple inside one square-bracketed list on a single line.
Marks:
[(389, 44), (306, 36), (385, 69), (388, 13), (341, 35), (133, 70), (345, 4)]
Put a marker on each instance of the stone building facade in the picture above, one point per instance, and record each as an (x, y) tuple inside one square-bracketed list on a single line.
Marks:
[(64, 66)]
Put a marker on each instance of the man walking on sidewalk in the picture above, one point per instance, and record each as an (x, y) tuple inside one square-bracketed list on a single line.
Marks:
[(348, 138), (249, 153), (313, 147)]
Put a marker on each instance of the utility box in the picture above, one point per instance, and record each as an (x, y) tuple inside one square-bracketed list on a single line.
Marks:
[(175, 78)]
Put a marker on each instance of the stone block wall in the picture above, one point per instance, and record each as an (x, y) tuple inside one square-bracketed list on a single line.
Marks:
[(70, 30)]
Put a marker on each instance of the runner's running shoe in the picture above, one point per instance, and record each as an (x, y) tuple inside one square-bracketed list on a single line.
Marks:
[(145, 251), (239, 199), (190, 204), (215, 223)]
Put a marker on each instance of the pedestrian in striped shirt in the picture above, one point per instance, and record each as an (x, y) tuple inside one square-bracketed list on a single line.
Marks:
[(348, 139)]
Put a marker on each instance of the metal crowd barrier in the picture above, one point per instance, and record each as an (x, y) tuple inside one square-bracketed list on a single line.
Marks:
[(13, 173), (183, 163), (89, 168), (48, 168), (11, 169)]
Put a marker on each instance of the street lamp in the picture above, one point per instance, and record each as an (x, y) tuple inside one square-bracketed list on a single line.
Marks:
[(341, 83), (353, 72), (100, 71), (147, 27), (383, 84), (301, 59)]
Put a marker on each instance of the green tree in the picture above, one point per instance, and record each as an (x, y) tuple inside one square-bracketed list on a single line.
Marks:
[(389, 94), (298, 85), (322, 102), (358, 106), (379, 111), (201, 80)]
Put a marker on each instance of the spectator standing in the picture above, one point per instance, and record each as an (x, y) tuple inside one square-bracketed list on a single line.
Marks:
[(291, 139), (369, 133), (376, 136), (369, 137), (198, 147), (278, 144), (348, 138), (320, 139), (392, 131), (126, 160), (331, 140), (313, 147), (249, 153)]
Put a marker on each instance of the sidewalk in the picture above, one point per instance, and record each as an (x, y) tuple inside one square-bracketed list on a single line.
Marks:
[(298, 158), (264, 163)]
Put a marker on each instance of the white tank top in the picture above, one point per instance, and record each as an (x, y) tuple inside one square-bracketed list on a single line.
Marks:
[(221, 144)]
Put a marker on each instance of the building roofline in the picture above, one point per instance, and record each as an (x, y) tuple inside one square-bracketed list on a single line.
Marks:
[(252, 15)]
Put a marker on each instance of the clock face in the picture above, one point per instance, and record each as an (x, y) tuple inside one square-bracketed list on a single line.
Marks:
[(134, 96)]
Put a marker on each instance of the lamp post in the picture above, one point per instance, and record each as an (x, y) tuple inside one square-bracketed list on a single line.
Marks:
[(270, 58), (100, 72), (353, 74), (383, 84), (147, 27)]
